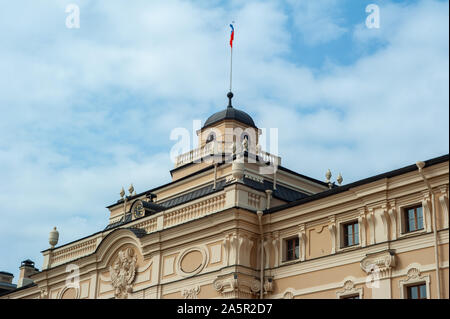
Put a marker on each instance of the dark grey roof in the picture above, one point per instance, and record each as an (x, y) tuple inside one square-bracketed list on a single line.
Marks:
[(150, 206), (174, 202), (340, 189), (138, 232), (193, 195), (230, 113), (6, 273), (7, 286), (283, 193), (18, 289)]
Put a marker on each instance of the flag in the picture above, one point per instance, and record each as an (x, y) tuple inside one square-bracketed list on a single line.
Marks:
[(232, 35)]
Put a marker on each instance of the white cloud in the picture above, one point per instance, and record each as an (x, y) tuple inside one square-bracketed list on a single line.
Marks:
[(86, 111), (318, 21)]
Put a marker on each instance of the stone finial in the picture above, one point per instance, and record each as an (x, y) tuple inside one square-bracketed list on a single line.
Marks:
[(328, 176), (122, 193), (339, 179), (131, 189), (53, 238)]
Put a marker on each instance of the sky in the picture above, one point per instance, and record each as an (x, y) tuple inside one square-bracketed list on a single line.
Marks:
[(85, 111)]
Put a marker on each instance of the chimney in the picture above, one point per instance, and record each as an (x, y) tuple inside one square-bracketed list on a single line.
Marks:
[(26, 271), (6, 284)]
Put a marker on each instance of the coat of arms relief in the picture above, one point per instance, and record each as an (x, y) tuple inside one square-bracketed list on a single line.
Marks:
[(123, 272)]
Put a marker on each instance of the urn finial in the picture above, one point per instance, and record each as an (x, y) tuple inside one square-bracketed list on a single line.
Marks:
[(328, 176), (131, 189), (339, 179), (53, 238)]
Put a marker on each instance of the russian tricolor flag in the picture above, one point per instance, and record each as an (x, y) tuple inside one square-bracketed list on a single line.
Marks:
[(232, 35)]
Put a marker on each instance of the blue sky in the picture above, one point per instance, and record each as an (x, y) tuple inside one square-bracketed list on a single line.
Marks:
[(86, 111)]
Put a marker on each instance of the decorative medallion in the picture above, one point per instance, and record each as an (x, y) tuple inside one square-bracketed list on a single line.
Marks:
[(123, 272), (192, 261)]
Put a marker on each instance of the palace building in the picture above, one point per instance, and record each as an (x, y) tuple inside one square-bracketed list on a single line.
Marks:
[(235, 223)]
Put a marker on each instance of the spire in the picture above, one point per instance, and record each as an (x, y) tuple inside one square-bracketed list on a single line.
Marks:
[(230, 96)]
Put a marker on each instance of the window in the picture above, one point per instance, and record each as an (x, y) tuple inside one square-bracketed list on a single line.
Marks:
[(292, 249), (351, 234), (417, 291), (413, 218), (350, 297), (211, 137)]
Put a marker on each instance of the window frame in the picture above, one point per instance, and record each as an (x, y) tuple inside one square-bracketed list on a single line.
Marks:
[(413, 277), (295, 250), (355, 236), (405, 215), (419, 284), (341, 223), (401, 217), (284, 247)]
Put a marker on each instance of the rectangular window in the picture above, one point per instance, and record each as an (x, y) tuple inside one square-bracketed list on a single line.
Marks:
[(351, 234), (413, 219), (292, 249), (417, 291)]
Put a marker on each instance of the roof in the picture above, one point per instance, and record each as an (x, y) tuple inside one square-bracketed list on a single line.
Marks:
[(281, 192), (120, 201), (230, 113), (176, 201), (18, 289), (340, 189), (6, 273)]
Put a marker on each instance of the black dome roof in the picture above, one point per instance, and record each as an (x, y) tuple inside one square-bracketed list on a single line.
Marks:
[(230, 113)]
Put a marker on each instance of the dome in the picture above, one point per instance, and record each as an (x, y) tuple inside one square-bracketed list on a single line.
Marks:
[(230, 113)]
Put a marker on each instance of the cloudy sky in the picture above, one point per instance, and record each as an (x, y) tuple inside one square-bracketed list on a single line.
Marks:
[(85, 111)]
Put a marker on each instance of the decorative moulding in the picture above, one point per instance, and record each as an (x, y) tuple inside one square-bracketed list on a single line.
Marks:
[(123, 272), (288, 294), (413, 276), (348, 289), (381, 262), (235, 286), (205, 258), (191, 293)]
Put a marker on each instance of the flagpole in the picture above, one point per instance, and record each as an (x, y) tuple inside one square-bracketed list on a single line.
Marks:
[(230, 94), (231, 67)]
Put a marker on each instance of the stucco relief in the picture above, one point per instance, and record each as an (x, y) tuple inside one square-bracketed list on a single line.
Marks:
[(288, 294), (414, 276), (123, 272), (235, 286), (238, 249), (348, 289), (382, 262), (191, 293), (43, 293)]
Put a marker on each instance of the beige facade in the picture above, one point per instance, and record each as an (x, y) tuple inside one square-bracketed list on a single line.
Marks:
[(203, 237)]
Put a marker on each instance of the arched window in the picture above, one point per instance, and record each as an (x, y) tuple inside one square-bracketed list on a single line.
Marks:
[(245, 136), (211, 137)]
